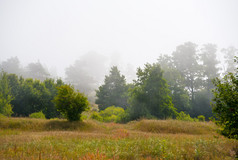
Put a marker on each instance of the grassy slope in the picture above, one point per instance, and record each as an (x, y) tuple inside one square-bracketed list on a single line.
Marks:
[(23, 138)]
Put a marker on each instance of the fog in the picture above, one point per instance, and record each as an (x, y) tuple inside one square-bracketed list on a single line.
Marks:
[(128, 33)]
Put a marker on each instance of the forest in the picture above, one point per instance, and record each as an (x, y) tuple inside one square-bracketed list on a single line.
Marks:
[(175, 85)]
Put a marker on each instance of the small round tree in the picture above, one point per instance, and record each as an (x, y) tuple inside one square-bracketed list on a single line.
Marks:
[(70, 103)]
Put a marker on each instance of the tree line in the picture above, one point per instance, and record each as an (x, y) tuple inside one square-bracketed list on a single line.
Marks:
[(173, 86), (180, 82), (20, 97)]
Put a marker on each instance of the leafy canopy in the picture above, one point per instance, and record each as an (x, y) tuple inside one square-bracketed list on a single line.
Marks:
[(70, 103), (226, 104), (150, 96)]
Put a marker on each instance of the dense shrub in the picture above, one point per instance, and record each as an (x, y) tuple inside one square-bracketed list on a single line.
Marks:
[(70, 103), (39, 115), (110, 114), (95, 115), (201, 118), (184, 117)]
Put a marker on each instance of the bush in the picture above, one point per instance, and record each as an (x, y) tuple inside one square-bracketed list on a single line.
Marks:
[(39, 115), (184, 117), (70, 103), (201, 118), (95, 115), (111, 114), (123, 117)]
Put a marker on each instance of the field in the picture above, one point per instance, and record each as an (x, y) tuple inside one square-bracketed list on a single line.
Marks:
[(25, 138)]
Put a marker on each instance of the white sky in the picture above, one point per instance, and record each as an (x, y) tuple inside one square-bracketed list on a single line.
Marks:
[(57, 32)]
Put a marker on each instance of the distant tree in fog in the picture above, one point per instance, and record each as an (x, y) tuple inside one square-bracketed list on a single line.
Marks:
[(87, 72), (229, 55), (113, 92), (12, 65), (209, 62), (185, 59), (36, 71)]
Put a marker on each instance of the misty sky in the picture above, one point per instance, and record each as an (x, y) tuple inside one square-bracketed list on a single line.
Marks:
[(57, 32)]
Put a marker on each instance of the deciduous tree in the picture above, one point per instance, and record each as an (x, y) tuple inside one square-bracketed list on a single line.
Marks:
[(150, 96), (70, 103)]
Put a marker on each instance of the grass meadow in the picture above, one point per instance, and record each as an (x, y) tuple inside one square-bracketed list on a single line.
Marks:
[(25, 138)]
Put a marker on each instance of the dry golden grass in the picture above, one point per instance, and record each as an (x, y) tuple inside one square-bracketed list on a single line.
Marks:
[(145, 139), (174, 126)]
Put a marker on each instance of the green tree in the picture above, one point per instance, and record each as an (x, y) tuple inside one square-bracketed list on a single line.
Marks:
[(5, 96), (113, 91), (50, 109), (185, 59), (70, 103), (150, 96), (32, 96), (225, 104), (176, 83)]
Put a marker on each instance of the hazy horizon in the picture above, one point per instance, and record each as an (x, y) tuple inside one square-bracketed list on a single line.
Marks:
[(132, 32)]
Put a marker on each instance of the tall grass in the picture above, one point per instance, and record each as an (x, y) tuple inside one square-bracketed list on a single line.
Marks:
[(146, 139), (174, 126), (29, 124)]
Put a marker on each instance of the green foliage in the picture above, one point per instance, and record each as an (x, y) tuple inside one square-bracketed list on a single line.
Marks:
[(50, 109), (226, 104), (111, 114), (123, 117), (201, 118), (5, 96), (150, 96), (184, 117), (95, 115), (33, 96), (113, 91), (176, 83), (39, 115), (70, 103)]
